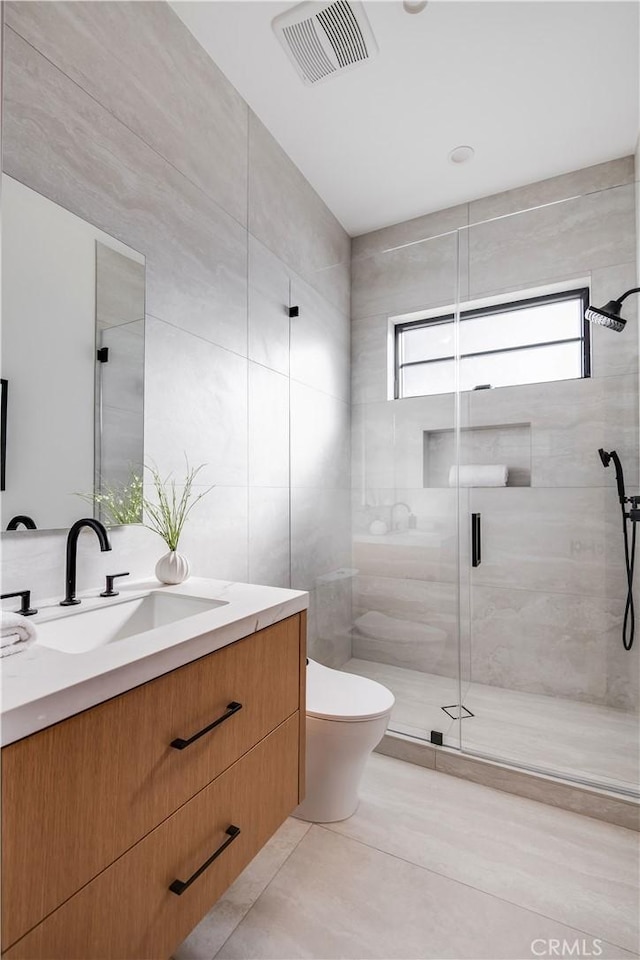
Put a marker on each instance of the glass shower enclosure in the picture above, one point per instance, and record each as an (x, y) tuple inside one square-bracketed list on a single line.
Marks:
[(491, 586)]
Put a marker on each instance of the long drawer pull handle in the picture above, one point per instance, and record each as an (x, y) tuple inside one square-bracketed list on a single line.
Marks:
[(179, 886), (232, 708)]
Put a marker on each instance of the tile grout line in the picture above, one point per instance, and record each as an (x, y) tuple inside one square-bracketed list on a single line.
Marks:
[(198, 336), (490, 585), (264, 890), (241, 356), (469, 886)]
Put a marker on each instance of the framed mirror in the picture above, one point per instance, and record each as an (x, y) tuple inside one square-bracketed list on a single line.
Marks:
[(72, 368)]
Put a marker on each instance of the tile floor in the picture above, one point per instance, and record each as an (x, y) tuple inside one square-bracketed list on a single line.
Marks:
[(563, 736), (431, 866)]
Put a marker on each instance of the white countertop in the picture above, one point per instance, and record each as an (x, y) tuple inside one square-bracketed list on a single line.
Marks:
[(41, 686)]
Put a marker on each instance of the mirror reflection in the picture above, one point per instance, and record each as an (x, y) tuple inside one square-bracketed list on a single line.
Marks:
[(72, 367)]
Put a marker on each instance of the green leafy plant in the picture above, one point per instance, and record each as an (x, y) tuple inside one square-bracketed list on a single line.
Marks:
[(119, 502), (167, 513)]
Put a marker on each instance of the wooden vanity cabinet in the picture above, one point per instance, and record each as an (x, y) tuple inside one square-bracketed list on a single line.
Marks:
[(101, 814)]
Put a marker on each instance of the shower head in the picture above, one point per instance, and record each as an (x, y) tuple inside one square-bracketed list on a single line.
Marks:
[(609, 315), (606, 460)]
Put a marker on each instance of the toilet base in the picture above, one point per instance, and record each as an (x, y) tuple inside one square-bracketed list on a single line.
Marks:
[(300, 814), (336, 755)]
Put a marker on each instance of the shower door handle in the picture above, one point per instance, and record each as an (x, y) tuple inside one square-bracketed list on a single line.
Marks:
[(476, 540)]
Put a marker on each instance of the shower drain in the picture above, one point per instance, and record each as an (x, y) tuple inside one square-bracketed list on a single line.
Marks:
[(457, 712)]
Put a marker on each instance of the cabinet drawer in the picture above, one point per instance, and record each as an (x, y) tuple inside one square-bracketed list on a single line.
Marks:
[(77, 795), (129, 911)]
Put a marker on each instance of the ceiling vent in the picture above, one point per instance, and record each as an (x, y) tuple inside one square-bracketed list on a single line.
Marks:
[(322, 39)]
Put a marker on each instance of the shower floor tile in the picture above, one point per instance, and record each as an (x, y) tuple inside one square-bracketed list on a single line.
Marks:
[(561, 736)]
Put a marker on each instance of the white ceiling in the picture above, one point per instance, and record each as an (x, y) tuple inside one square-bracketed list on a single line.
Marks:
[(537, 88)]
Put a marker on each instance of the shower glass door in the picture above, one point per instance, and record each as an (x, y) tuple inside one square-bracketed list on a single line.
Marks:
[(406, 583), (547, 684)]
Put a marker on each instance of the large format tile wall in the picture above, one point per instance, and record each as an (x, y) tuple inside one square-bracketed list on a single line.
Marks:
[(114, 111), (543, 612)]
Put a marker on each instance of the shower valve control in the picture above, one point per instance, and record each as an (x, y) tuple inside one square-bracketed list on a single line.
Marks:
[(634, 512)]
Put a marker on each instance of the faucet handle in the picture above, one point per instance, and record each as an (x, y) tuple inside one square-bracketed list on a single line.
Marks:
[(25, 602), (109, 591)]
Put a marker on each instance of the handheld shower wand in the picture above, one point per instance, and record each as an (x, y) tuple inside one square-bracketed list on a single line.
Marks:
[(606, 460), (632, 517)]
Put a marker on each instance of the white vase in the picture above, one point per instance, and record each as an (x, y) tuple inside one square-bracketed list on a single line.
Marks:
[(172, 568)]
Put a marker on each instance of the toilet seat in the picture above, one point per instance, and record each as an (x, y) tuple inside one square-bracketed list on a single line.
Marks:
[(334, 695)]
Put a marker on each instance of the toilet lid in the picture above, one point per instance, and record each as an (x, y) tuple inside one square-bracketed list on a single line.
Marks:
[(334, 695)]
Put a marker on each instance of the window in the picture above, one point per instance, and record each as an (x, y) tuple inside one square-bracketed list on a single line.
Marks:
[(527, 341)]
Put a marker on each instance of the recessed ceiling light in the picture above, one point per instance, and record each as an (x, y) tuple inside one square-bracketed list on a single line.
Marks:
[(414, 6), (461, 154)]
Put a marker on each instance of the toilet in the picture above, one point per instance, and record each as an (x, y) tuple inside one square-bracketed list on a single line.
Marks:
[(347, 716)]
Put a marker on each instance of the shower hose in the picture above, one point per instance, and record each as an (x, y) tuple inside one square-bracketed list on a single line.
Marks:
[(629, 622)]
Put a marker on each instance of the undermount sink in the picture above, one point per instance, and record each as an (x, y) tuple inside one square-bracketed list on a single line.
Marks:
[(82, 630)]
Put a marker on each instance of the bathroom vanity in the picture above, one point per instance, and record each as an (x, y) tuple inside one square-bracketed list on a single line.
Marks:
[(181, 753)]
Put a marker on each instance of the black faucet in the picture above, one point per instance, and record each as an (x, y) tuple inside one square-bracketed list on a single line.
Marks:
[(26, 610), (23, 519), (72, 555)]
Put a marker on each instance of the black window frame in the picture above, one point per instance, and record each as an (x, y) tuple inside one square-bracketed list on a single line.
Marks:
[(579, 293)]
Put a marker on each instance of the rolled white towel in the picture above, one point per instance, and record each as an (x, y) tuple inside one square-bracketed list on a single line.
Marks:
[(479, 475), (17, 633)]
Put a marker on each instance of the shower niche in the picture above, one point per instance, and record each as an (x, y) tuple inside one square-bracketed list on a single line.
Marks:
[(500, 443)]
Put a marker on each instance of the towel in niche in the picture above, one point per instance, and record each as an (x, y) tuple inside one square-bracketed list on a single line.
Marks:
[(17, 633), (479, 475)]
